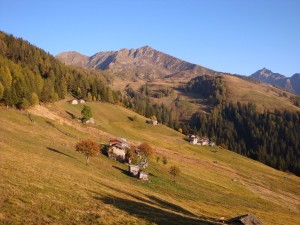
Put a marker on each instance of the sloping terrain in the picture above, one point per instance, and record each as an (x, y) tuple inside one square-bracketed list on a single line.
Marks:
[(265, 96), (43, 180)]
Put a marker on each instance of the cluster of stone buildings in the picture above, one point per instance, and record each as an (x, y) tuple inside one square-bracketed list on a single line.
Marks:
[(204, 141), (117, 149)]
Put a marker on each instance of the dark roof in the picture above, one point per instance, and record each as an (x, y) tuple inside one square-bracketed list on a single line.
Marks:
[(120, 146), (247, 219)]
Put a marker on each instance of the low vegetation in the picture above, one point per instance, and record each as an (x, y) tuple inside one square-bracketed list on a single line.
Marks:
[(62, 189)]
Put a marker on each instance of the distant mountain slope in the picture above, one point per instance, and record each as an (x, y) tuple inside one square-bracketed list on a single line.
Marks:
[(161, 72), (73, 58), (142, 63), (291, 84)]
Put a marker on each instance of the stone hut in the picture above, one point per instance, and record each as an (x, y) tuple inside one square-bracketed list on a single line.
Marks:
[(74, 102), (152, 122), (247, 219), (134, 170), (143, 175)]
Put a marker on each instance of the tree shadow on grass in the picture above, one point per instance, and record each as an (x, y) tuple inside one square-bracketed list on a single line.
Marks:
[(153, 214), (71, 115), (59, 152), (170, 206)]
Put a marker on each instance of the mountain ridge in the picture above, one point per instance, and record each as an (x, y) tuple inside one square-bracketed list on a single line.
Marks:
[(291, 84), (143, 62)]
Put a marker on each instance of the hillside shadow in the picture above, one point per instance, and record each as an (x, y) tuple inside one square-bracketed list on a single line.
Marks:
[(122, 170), (152, 213), (169, 205), (153, 208), (59, 152)]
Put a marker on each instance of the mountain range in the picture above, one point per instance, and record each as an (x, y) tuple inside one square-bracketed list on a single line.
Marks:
[(292, 84), (141, 63), (148, 63)]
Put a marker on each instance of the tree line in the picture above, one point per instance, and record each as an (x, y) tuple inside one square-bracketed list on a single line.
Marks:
[(272, 138), (29, 75)]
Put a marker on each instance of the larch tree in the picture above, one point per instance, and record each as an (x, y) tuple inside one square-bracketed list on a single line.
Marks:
[(146, 149), (88, 148)]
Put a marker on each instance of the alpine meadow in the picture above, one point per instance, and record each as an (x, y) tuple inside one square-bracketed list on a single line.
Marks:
[(137, 135)]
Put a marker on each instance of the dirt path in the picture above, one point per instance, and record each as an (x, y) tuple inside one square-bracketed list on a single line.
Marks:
[(46, 113)]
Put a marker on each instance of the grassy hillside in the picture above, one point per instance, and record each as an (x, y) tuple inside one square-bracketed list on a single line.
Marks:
[(265, 96), (43, 180)]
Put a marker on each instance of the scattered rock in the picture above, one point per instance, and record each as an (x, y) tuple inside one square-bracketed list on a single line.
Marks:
[(90, 121)]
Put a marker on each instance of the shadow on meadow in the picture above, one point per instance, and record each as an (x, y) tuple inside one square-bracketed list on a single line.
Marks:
[(153, 209), (59, 152), (154, 214)]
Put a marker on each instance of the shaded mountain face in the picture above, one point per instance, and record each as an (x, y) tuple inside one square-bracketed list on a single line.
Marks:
[(291, 84), (141, 63)]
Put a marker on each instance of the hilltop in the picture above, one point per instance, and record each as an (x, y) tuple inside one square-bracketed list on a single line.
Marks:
[(45, 181)]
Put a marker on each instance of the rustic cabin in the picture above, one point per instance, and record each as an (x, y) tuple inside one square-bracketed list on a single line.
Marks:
[(152, 122), (247, 219), (118, 148), (204, 141), (143, 175), (74, 102), (193, 139), (133, 170)]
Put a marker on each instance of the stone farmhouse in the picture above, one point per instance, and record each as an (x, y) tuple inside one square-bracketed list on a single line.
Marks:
[(204, 141), (118, 148)]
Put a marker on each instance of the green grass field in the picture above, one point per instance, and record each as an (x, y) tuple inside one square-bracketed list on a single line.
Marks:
[(45, 181)]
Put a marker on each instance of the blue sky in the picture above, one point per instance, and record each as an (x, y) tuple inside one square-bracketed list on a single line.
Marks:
[(236, 36)]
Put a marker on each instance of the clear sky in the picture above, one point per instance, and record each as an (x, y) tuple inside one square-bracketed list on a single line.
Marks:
[(236, 36)]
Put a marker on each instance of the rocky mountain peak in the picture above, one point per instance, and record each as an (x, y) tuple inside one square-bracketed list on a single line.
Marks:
[(291, 84), (144, 62)]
